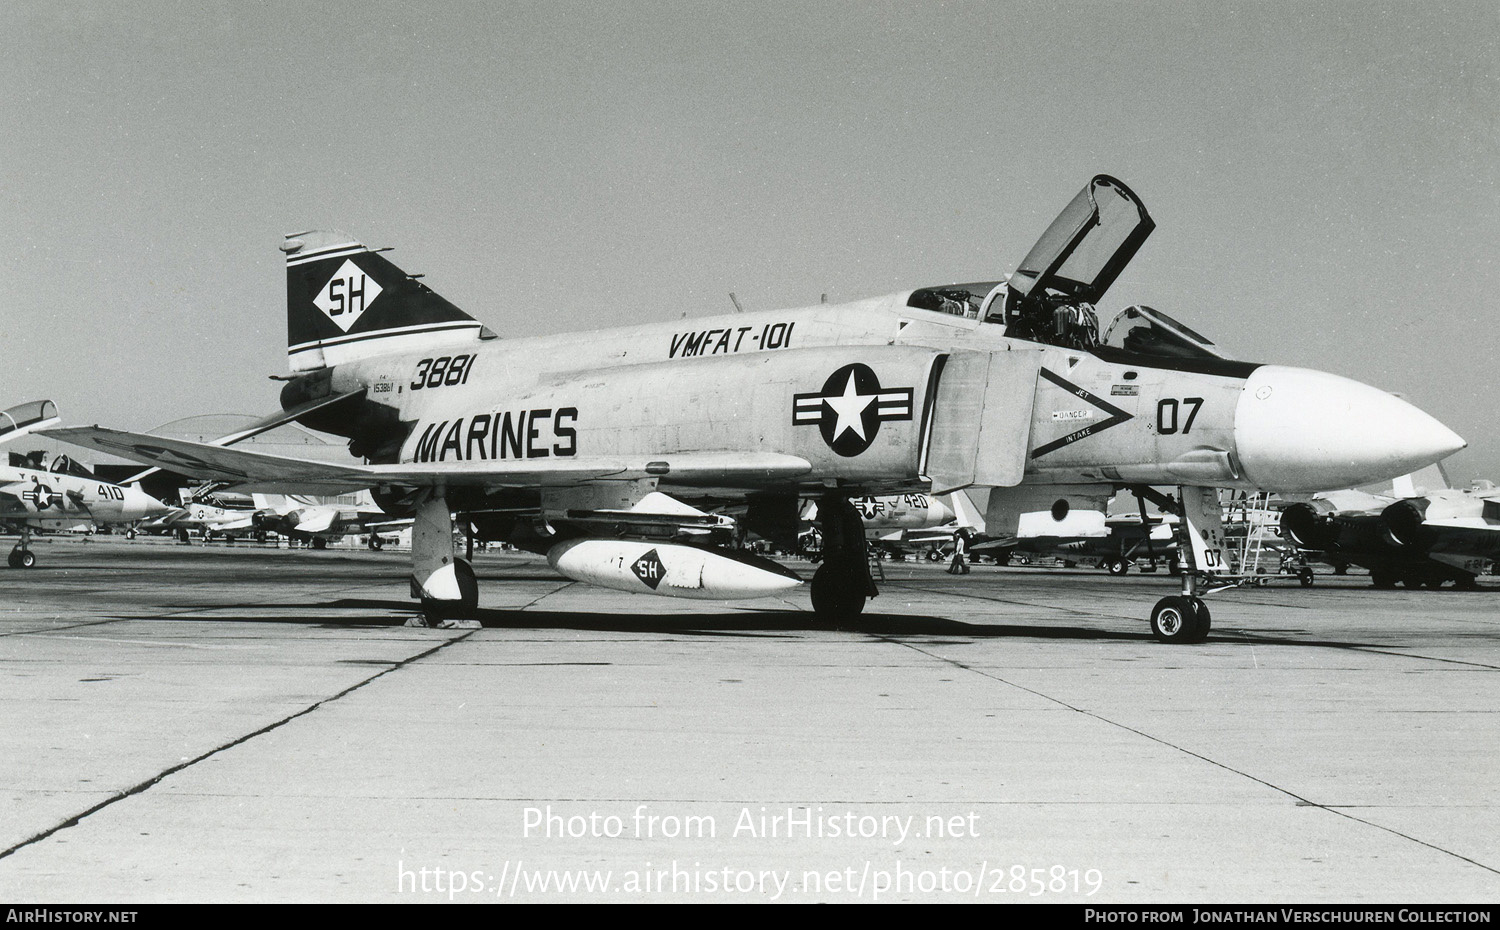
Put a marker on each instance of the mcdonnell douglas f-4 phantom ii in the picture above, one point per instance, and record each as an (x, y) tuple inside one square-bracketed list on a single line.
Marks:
[(1440, 535), (548, 441)]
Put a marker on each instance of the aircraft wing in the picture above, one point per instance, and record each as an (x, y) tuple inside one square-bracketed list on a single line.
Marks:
[(925, 537), (266, 424), (237, 466), (382, 525)]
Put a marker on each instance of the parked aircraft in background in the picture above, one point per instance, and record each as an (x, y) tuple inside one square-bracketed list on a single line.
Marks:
[(1428, 536), (35, 495), (1004, 385), (204, 514), (1116, 536), (317, 521), (898, 525), (1116, 541)]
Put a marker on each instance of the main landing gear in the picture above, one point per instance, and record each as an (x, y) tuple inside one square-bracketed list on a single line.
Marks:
[(22, 556), (842, 583), (444, 583)]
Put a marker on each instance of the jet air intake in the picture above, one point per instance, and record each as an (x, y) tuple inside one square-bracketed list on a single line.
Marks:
[(1304, 526), (1403, 522)]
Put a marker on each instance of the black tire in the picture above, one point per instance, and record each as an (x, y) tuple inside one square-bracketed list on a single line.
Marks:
[(1180, 620), (468, 598), (319, 542), (27, 559), (1205, 619), (1117, 567), (1306, 577), (837, 594), (1385, 580), (14, 559)]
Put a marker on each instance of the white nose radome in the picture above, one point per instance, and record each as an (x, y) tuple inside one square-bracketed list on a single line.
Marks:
[(139, 505), (1301, 430)]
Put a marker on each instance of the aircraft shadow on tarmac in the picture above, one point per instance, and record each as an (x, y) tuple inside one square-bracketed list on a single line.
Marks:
[(361, 612), (747, 623)]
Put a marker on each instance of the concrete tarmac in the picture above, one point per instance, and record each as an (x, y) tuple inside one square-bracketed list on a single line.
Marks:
[(241, 724)]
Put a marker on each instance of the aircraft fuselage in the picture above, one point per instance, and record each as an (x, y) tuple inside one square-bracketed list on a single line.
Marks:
[(48, 500), (877, 396)]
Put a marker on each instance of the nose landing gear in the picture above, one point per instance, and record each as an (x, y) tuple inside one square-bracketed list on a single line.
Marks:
[(1184, 618)]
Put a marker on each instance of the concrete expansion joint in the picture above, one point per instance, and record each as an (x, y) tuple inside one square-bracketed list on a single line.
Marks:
[(160, 776)]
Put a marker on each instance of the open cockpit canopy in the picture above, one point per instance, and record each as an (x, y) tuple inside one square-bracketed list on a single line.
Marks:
[(1050, 296), (23, 418), (1086, 247)]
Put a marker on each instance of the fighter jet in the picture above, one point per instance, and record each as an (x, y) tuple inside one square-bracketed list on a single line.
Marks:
[(318, 521), (897, 525), (1005, 385), (1430, 538), (60, 496), (204, 513), (1114, 540)]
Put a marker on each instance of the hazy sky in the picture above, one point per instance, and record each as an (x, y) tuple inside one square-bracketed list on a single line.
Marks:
[(1323, 174)]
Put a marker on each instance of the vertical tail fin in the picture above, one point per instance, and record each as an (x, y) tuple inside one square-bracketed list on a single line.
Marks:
[(345, 302), (965, 513)]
